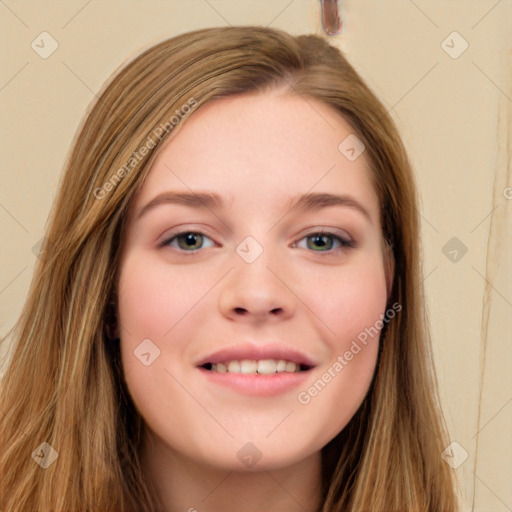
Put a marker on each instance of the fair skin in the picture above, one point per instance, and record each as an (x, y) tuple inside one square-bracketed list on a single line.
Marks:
[(196, 294)]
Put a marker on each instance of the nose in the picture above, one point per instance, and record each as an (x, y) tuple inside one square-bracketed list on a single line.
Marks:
[(257, 292)]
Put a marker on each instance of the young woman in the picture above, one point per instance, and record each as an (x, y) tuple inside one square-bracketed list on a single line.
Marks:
[(227, 314)]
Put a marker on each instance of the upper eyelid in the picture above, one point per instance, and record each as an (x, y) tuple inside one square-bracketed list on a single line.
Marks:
[(311, 231), (341, 233), (169, 234)]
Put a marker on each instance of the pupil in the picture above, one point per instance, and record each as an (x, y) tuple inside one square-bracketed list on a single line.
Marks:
[(320, 242), (190, 240)]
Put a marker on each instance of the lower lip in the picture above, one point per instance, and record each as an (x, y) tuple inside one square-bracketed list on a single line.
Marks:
[(257, 384)]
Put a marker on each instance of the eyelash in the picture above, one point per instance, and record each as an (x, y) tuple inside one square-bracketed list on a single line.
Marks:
[(344, 243)]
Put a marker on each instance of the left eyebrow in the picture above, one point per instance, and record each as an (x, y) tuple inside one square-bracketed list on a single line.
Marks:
[(315, 201)]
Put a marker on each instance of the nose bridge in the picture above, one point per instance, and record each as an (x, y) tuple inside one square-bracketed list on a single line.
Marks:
[(257, 286)]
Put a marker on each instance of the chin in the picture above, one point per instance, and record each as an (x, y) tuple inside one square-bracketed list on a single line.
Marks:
[(258, 456)]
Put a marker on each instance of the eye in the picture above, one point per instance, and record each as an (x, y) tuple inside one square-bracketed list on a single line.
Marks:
[(187, 241), (325, 242)]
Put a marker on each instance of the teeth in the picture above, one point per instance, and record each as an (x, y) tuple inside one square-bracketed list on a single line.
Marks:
[(267, 366), (252, 367), (291, 367), (281, 366), (248, 366), (234, 367)]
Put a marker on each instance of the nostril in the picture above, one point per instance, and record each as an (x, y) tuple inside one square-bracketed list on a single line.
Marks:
[(243, 311)]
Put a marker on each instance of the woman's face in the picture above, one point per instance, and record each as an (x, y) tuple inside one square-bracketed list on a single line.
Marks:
[(252, 281)]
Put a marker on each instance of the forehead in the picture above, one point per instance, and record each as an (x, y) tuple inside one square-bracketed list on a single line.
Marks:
[(261, 148)]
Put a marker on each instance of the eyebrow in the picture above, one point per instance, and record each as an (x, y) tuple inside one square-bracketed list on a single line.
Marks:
[(203, 200), (316, 201), (212, 201)]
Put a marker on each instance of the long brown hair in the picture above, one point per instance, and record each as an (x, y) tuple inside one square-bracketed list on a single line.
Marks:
[(64, 384)]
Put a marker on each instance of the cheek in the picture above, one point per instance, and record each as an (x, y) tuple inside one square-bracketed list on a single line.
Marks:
[(153, 298), (351, 308), (157, 318), (153, 305), (350, 303)]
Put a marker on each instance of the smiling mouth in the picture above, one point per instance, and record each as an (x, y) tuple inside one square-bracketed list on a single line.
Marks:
[(256, 367)]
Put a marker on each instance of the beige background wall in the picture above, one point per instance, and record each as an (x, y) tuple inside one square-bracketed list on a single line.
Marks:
[(453, 106)]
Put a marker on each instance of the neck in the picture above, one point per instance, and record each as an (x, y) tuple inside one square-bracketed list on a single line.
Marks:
[(183, 485)]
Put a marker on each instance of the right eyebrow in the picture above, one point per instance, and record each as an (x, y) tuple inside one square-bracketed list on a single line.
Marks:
[(204, 200)]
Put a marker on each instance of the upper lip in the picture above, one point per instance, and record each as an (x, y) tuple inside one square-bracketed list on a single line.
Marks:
[(258, 352)]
